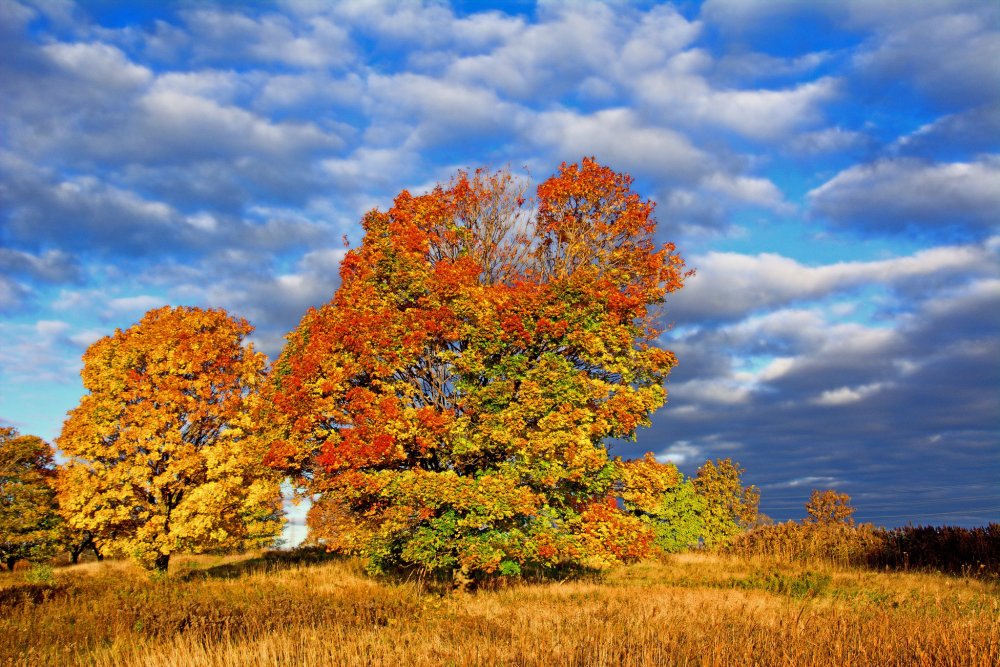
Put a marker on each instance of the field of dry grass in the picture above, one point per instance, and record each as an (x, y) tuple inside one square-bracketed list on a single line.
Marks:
[(693, 609)]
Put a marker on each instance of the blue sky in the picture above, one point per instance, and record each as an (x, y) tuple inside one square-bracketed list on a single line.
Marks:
[(831, 169)]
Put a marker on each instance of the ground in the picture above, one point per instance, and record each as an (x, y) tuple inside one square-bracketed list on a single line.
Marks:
[(690, 609)]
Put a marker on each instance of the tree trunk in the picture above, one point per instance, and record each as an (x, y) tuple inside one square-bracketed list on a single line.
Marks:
[(97, 553), (11, 562), (74, 555), (161, 562)]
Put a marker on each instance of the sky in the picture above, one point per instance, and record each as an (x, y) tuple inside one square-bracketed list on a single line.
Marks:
[(831, 169)]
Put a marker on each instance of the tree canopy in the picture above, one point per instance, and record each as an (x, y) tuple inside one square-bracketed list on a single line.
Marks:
[(453, 402), (28, 519), (729, 507), (161, 451), (829, 507)]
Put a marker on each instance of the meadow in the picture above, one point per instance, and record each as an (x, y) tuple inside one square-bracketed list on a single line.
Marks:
[(308, 609)]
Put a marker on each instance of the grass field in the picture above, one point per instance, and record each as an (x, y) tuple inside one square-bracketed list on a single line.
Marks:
[(691, 610)]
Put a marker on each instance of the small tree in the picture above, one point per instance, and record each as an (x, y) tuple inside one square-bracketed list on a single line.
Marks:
[(28, 520), (453, 401), (730, 508), (162, 451), (829, 507), (659, 495)]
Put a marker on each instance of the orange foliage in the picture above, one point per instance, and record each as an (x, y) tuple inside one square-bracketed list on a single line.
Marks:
[(455, 395)]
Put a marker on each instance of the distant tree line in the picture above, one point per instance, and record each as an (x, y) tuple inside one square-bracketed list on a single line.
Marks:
[(829, 535)]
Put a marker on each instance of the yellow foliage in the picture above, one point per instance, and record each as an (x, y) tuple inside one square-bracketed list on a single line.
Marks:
[(162, 457)]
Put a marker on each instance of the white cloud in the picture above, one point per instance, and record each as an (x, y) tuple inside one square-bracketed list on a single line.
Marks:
[(100, 64), (441, 110), (569, 44), (678, 453), (12, 294), (713, 391), (315, 42), (219, 86), (748, 189), (182, 121), (687, 99), (767, 114), (133, 305), (811, 481), (732, 284), (827, 140), (619, 137), (51, 328), (848, 395), (87, 337), (894, 195)]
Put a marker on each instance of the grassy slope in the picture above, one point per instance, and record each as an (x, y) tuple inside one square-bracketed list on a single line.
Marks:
[(694, 609)]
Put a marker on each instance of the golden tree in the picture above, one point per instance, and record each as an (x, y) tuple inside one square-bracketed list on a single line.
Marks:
[(162, 453), (730, 508), (826, 507), (28, 521)]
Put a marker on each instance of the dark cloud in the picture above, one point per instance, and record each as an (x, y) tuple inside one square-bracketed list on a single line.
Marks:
[(52, 266), (892, 414), (87, 216), (963, 135), (946, 55)]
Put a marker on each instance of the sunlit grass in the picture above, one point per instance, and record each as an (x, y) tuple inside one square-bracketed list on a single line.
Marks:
[(692, 609)]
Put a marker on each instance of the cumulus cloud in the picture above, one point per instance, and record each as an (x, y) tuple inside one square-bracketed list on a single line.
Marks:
[(51, 266), (943, 50), (896, 195), (734, 285), (219, 36), (848, 395), (91, 217), (442, 111), (678, 453), (948, 56), (972, 132), (828, 140), (619, 137), (98, 63)]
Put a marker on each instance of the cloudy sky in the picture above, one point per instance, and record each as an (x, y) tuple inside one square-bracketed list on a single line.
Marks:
[(831, 169)]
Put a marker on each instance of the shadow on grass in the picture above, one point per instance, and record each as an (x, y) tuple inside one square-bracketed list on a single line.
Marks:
[(440, 583), (425, 580), (269, 561), (21, 594)]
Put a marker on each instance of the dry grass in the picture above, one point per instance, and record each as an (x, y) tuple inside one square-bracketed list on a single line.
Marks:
[(694, 609), (965, 551)]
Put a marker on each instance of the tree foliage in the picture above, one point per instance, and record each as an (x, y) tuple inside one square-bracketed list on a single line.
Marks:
[(825, 507), (730, 508), (451, 404), (161, 448), (28, 520), (667, 503)]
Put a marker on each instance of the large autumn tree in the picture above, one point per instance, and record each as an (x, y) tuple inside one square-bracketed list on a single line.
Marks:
[(162, 453), (451, 405), (28, 520)]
